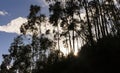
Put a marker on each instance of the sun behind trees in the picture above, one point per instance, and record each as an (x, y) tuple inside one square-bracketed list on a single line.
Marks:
[(48, 45)]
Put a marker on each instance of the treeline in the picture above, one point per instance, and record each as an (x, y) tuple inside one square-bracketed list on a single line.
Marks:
[(75, 24)]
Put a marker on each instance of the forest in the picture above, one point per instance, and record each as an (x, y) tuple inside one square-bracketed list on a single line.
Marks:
[(78, 36)]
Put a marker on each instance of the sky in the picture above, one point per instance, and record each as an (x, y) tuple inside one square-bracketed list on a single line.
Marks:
[(12, 14)]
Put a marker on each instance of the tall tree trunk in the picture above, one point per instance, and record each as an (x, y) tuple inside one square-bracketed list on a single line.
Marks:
[(67, 46), (102, 21), (90, 37), (58, 37), (98, 28), (105, 23), (73, 38), (70, 40)]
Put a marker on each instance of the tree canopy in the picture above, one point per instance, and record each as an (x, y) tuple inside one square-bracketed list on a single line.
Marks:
[(89, 29)]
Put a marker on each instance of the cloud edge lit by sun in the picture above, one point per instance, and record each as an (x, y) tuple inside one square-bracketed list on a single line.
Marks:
[(13, 26)]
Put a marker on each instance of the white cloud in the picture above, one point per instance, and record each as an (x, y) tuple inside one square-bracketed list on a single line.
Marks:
[(43, 2), (3, 13), (13, 26)]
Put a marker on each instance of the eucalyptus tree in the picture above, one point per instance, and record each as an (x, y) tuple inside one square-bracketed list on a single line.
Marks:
[(33, 26), (71, 8), (64, 12), (41, 45), (5, 66), (19, 59), (112, 11), (56, 12), (104, 17)]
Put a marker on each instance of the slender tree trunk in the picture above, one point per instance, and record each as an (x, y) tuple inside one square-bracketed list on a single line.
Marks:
[(67, 46), (77, 41), (89, 25), (70, 41), (98, 28), (106, 29), (58, 37), (102, 21), (73, 41)]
